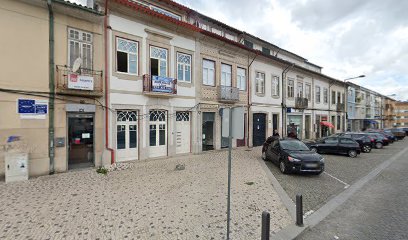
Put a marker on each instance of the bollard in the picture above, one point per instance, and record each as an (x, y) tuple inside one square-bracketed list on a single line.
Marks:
[(266, 223), (299, 210)]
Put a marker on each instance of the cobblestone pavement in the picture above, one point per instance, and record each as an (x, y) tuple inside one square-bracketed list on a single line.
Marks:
[(340, 172), (151, 200), (377, 211)]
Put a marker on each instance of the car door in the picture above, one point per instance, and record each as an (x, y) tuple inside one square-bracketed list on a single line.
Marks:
[(331, 145), (346, 144), (274, 151)]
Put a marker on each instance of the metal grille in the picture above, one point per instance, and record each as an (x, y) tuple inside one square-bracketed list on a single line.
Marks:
[(183, 116), (126, 116), (157, 115)]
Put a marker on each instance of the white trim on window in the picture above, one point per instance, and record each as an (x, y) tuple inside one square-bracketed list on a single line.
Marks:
[(208, 72), (260, 83), (226, 75), (130, 48), (275, 86), (184, 67), (161, 54), (80, 45), (241, 79)]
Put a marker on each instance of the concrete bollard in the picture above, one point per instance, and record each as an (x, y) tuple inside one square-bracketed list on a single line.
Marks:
[(266, 224), (299, 210)]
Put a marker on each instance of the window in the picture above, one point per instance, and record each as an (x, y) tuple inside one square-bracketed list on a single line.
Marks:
[(308, 91), (216, 31), (325, 92), (291, 84), (208, 72), (165, 12), (158, 61), (241, 79), (226, 75), (333, 120), (266, 51), (338, 97), (333, 97), (332, 140), (318, 94), (275, 86), (80, 46), (183, 67), (338, 122), (248, 44), (260, 83), (347, 140), (126, 56), (299, 89), (230, 37)]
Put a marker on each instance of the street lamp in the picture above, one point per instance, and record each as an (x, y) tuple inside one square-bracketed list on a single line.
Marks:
[(346, 97)]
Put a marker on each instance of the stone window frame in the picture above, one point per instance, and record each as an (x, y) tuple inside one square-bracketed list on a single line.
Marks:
[(187, 52), (260, 94)]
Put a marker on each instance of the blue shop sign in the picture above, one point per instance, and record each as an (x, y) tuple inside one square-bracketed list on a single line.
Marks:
[(162, 84)]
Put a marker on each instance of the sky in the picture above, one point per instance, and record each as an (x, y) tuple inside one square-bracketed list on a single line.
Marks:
[(347, 38)]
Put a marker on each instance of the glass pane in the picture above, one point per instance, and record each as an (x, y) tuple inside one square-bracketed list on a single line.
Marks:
[(121, 61), (162, 134), (163, 69), (120, 137), (180, 72), (152, 135), (187, 73), (132, 63), (132, 136)]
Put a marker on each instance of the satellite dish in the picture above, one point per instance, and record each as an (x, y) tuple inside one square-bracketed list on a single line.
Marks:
[(77, 64)]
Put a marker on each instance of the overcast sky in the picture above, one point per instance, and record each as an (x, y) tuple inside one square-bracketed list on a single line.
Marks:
[(347, 38)]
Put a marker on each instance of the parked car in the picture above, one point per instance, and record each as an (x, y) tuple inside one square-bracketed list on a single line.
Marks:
[(398, 132), (390, 135), (339, 145), (380, 140), (292, 155), (366, 143), (405, 130)]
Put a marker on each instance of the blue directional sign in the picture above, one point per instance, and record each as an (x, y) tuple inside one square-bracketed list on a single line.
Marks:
[(26, 106), (41, 108)]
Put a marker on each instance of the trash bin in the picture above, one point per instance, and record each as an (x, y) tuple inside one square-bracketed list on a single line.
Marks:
[(16, 166)]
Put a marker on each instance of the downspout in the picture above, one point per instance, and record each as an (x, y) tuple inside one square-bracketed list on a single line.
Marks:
[(51, 150), (286, 70), (107, 86), (248, 97)]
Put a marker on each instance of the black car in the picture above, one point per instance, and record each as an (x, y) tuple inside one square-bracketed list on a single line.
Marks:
[(380, 140), (292, 155), (339, 145), (365, 142)]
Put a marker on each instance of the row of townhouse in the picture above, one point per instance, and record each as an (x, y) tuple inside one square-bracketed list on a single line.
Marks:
[(122, 80)]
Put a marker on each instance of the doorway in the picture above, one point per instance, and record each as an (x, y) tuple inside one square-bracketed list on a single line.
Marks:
[(157, 133), (241, 142), (259, 129), (126, 135), (208, 131), (183, 132), (308, 122), (80, 140)]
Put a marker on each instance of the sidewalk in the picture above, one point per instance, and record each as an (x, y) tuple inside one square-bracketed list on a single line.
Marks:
[(151, 200)]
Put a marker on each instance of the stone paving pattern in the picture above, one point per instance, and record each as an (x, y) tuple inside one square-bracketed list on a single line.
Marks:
[(317, 190), (151, 200)]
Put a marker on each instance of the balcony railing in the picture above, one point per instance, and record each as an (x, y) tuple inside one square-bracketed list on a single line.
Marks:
[(340, 107), (228, 94), (159, 86), (301, 103), (84, 82)]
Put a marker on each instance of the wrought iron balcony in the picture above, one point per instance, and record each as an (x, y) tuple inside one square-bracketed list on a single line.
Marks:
[(228, 94), (159, 86), (340, 107), (84, 82), (301, 103)]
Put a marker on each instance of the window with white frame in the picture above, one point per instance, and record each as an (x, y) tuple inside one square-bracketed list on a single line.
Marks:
[(226, 71), (291, 86), (308, 91), (325, 95), (333, 97), (241, 79), (158, 61), (183, 67), (165, 12), (80, 46), (208, 72), (300, 90), (275, 86), (318, 93), (260, 83), (126, 56)]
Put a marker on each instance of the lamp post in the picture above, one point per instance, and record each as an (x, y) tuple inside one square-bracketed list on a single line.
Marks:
[(346, 98)]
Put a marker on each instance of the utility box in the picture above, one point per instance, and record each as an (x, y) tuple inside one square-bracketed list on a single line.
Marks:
[(16, 166)]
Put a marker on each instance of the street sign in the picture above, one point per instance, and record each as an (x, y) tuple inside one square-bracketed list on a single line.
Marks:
[(32, 109), (237, 122)]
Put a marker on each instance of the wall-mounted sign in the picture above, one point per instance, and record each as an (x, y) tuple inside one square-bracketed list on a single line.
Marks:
[(163, 84), (80, 82), (32, 109)]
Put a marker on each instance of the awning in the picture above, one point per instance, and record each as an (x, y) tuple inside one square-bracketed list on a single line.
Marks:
[(327, 124)]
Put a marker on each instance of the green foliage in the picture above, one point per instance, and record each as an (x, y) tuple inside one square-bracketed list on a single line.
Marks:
[(102, 170)]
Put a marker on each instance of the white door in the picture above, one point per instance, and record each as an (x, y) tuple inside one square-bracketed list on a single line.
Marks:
[(157, 133), (183, 132), (126, 135)]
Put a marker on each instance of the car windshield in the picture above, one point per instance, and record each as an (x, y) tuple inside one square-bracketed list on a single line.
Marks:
[(294, 146)]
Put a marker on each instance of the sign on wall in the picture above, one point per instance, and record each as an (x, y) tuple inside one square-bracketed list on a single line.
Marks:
[(163, 84), (80, 82), (32, 109)]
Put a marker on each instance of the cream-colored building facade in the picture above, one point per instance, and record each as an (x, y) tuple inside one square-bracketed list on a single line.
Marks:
[(25, 98)]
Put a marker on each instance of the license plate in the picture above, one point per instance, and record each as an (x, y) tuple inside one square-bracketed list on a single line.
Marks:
[(311, 165)]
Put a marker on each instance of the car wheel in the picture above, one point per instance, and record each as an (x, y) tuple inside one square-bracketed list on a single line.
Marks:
[(366, 148), (378, 145), (313, 149), (282, 167), (264, 156), (352, 153)]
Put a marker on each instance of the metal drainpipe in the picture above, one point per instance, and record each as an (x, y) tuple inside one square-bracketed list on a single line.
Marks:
[(286, 70), (52, 88)]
